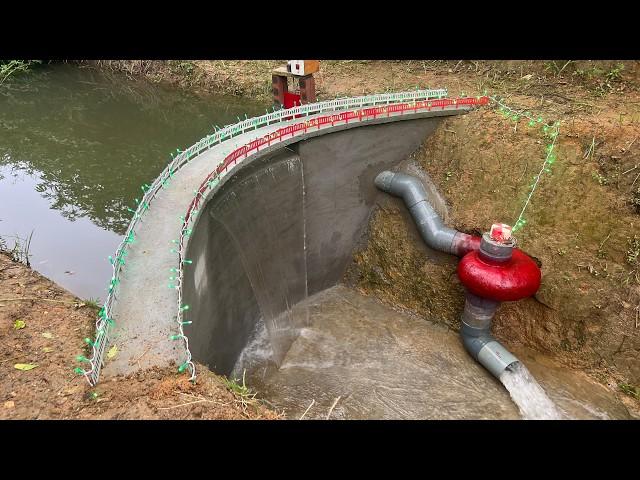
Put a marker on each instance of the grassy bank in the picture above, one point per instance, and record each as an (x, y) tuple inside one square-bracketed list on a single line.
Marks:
[(356, 77)]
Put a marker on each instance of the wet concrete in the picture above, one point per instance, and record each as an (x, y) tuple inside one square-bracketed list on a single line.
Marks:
[(374, 362)]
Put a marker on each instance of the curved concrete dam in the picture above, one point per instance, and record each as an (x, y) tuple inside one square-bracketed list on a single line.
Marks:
[(261, 288), (281, 229), (304, 197)]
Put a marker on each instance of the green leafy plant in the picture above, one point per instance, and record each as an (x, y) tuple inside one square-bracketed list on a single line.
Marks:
[(243, 393), (602, 81), (607, 83), (186, 67), (11, 67), (557, 68)]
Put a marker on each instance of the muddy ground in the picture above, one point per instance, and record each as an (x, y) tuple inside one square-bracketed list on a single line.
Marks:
[(43, 325)]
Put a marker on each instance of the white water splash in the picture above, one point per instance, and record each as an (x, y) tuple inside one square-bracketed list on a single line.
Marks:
[(526, 392), (597, 413), (257, 351)]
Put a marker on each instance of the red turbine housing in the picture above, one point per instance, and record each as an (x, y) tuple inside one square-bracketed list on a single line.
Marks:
[(502, 280)]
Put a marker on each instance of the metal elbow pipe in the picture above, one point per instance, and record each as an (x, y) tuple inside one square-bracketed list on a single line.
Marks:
[(432, 230), (476, 335)]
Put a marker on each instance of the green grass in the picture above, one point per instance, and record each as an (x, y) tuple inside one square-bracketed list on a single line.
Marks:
[(631, 390), (92, 303), (9, 68), (243, 393), (186, 67), (634, 251), (20, 251), (604, 81)]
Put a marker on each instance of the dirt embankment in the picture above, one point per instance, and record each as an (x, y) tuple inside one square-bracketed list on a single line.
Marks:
[(252, 78), (42, 328)]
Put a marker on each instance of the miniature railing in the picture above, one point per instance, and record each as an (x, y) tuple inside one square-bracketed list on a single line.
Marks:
[(105, 321)]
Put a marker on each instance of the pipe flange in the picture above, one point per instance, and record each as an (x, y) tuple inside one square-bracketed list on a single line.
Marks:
[(496, 251)]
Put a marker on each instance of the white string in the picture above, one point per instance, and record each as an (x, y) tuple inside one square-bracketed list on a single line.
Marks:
[(544, 165), (520, 221)]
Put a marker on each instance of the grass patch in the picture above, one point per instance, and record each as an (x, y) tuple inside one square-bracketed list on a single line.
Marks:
[(603, 81), (633, 251), (20, 250), (9, 68), (93, 303), (633, 259), (631, 390), (244, 395)]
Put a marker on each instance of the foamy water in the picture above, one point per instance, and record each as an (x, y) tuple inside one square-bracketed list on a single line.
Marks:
[(528, 395), (257, 351)]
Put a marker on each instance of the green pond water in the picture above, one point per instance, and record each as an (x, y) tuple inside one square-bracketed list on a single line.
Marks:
[(76, 144)]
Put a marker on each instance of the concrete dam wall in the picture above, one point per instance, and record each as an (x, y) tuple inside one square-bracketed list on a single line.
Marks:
[(283, 228)]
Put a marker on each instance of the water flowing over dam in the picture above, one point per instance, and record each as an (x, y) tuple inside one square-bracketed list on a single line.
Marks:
[(281, 229)]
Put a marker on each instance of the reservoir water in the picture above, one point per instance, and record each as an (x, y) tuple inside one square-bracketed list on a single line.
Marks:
[(76, 145)]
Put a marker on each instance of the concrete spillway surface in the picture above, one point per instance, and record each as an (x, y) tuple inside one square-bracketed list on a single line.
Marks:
[(269, 248)]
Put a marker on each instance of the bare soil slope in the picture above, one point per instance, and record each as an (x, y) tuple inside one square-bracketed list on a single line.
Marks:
[(43, 325)]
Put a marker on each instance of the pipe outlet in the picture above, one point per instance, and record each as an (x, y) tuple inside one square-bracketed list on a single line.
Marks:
[(476, 335)]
